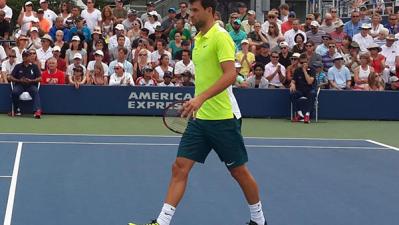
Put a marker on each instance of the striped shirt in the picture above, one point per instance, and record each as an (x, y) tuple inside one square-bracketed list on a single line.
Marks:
[(316, 38), (327, 61)]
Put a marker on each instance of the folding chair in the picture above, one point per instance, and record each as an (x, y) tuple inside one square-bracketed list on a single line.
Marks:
[(24, 96), (316, 105)]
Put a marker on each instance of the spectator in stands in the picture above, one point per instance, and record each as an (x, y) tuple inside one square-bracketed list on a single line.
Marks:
[(48, 13), (98, 57), (180, 27), (285, 54), (257, 80), (147, 78), (256, 38), (287, 25), (362, 72), (114, 51), (156, 55), (113, 41), (175, 45), (35, 23), (59, 41), (245, 58), (299, 46), (162, 67), (141, 63), (61, 64), (159, 34), (25, 77), (339, 75), (92, 46), (169, 23), (322, 49), (20, 46), (232, 18), (381, 38), (394, 80), (307, 25), (77, 63), (26, 16), (364, 18), (263, 57), (315, 34), (34, 39), (81, 30), (363, 38), (4, 26), (273, 35), (97, 76), (150, 8), (391, 53), (119, 11), (377, 60), (186, 46), (6, 9), (33, 58), (167, 80), (183, 14), (76, 47), (65, 10), (43, 22), (302, 85), (77, 78), (108, 20), (249, 23), (59, 25), (352, 27), (7, 66), (91, 15), (134, 32), (290, 35), (75, 13), (271, 18), (375, 82), (291, 69), (120, 77), (353, 60), (344, 48), (185, 64), (327, 25), (392, 24), (376, 25), (142, 44), (45, 52), (187, 79), (321, 76), (52, 75), (131, 20), (152, 22), (284, 10), (121, 58), (338, 35), (335, 17), (275, 72)]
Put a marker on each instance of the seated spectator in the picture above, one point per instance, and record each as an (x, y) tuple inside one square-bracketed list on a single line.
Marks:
[(162, 68), (98, 57), (169, 23), (353, 60), (187, 79), (377, 60), (143, 36), (394, 80), (34, 39), (147, 78), (180, 27), (77, 63), (120, 77), (362, 72), (76, 47), (122, 58), (52, 75), (81, 30), (141, 63), (257, 80), (108, 19), (328, 25), (99, 45), (376, 25), (275, 72), (256, 38), (248, 24), (380, 40), (61, 64), (158, 35), (363, 38), (273, 34), (299, 46), (113, 53), (20, 46), (25, 77), (315, 34), (167, 80), (175, 45), (185, 46), (338, 35), (237, 34), (77, 77), (59, 25), (44, 23), (134, 32), (352, 27), (4, 24), (321, 76), (322, 49), (33, 58), (59, 41), (285, 54), (7, 66), (245, 58), (302, 85), (306, 26), (240, 80), (185, 64), (97, 77), (312, 56), (391, 53), (45, 52), (291, 69), (344, 48), (263, 56), (339, 75), (113, 41), (232, 18), (375, 82), (152, 22), (287, 25), (328, 58), (156, 55), (291, 34), (119, 12)]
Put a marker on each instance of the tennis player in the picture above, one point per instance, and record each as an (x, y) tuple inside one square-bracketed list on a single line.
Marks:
[(217, 123)]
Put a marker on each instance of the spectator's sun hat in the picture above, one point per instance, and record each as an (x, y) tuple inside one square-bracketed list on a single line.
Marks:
[(374, 46), (366, 26), (393, 79), (283, 44), (317, 64), (338, 57), (75, 38), (391, 37), (237, 65), (32, 29), (119, 27), (56, 48), (28, 3), (153, 13), (77, 56), (237, 21), (245, 41), (314, 24), (338, 24), (99, 52), (47, 37), (119, 65)]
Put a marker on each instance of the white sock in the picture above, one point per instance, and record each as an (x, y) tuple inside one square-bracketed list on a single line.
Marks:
[(257, 213), (166, 214), (307, 113), (300, 113)]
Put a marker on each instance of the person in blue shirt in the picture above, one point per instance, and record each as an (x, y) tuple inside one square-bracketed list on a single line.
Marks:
[(339, 75), (59, 25), (81, 30), (352, 27), (392, 24), (237, 34)]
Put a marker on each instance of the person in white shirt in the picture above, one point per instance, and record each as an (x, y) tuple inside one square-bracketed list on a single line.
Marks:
[(289, 36), (147, 78), (120, 77), (77, 63), (98, 57), (3, 54), (152, 22), (156, 55), (92, 15), (275, 72), (167, 80), (6, 9), (113, 41), (7, 66), (48, 13), (391, 53), (185, 64), (376, 25), (363, 38), (45, 52), (272, 17)]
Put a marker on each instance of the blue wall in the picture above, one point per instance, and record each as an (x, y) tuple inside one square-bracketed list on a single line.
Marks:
[(253, 102)]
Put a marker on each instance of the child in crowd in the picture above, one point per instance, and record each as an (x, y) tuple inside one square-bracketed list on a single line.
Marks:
[(167, 80), (187, 79), (147, 79), (321, 76)]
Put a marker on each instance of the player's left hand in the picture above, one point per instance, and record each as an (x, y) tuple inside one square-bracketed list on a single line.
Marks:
[(191, 107)]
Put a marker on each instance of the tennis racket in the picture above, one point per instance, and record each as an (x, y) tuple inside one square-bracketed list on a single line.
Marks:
[(172, 117)]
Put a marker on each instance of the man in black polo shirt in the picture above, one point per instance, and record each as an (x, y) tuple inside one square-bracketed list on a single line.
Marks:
[(26, 76), (302, 89)]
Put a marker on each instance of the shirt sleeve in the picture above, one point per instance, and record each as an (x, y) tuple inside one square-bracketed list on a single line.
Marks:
[(225, 48), (330, 74)]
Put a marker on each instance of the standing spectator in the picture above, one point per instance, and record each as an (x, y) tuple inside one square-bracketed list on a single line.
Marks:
[(119, 12), (147, 78), (7, 10), (52, 75), (7, 66), (245, 58), (76, 65), (328, 26), (59, 25), (275, 72), (25, 17), (249, 23), (76, 47), (287, 25), (48, 13), (98, 58), (285, 54), (237, 34), (376, 25), (258, 80), (284, 11), (113, 41), (175, 45), (263, 56), (44, 23), (180, 27), (59, 36), (121, 58), (329, 56), (339, 75), (108, 21), (391, 53), (315, 34), (34, 39), (183, 14), (290, 35), (363, 38), (312, 56), (352, 27), (392, 24), (45, 52), (150, 8), (152, 22), (91, 15), (120, 77), (338, 35), (273, 35), (302, 85), (162, 68), (380, 40), (256, 38), (5, 27), (61, 64), (81, 30), (362, 72), (377, 60), (156, 55), (309, 19), (65, 11), (169, 23), (25, 77), (185, 64)]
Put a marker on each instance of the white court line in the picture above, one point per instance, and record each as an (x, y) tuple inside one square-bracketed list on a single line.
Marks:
[(5, 176), (383, 145), (178, 136), (13, 186), (175, 144)]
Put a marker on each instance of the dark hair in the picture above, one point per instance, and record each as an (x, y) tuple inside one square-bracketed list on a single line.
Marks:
[(276, 30), (284, 6), (120, 36), (310, 42), (299, 34), (185, 3), (258, 65), (303, 56), (162, 57), (206, 4), (184, 50), (123, 49)]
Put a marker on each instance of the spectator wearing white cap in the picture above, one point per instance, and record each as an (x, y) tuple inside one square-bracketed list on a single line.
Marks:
[(91, 15), (45, 52), (113, 41), (352, 27), (291, 69), (315, 34), (245, 58), (77, 64), (152, 22), (34, 39), (25, 17), (391, 53), (285, 54), (48, 13), (131, 21), (290, 35), (248, 24), (6, 9), (275, 72), (98, 58), (120, 77), (76, 47), (61, 64), (363, 38), (380, 40), (339, 75)]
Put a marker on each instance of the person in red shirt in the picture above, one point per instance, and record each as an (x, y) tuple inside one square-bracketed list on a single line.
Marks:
[(52, 75), (61, 64), (287, 25)]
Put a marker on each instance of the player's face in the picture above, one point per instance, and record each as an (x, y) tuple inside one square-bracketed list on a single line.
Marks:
[(199, 15)]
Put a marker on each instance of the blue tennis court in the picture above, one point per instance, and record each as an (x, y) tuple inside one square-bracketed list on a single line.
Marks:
[(110, 180)]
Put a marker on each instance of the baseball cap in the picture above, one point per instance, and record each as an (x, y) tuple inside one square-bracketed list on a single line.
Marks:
[(337, 57), (99, 52), (251, 12), (132, 12), (34, 29), (296, 55), (120, 65), (56, 48), (366, 26), (47, 37), (77, 56), (292, 13), (393, 79), (237, 65), (42, 1), (172, 10), (75, 38), (283, 44), (119, 27), (237, 21), (25, 53), (245, 41), (314, 24)]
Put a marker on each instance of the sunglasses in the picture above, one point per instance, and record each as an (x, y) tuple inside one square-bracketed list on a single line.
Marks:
[(12, 56), (332, 46), (309, 46), (275, 57), (117, 68), (283, 47), (142, 54), (271, 17), (309, 18), (354, 16), (294, 59), (333, 11)]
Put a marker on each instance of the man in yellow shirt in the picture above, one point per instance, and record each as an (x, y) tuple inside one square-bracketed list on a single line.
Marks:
[(245, 58), (217, 123)]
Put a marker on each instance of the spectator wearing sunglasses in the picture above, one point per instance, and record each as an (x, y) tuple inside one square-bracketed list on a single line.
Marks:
[(315, 34), (275, 72), (306, 26), (352, 27), (92, 15), (7, 66)]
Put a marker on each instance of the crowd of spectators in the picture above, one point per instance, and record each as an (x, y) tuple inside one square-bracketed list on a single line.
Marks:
[(116, 46)]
